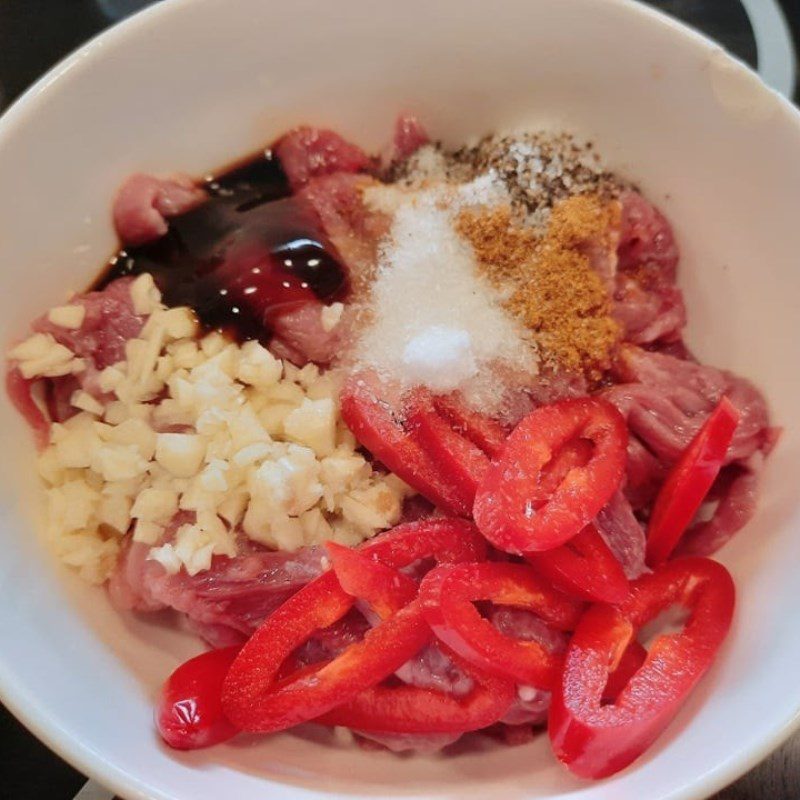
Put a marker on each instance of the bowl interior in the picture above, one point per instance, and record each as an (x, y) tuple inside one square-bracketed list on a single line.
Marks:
[(193, 84)]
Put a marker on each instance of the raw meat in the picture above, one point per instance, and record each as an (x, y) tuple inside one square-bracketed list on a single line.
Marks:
[(647, 303), (409, 136), (665, 401), (623, 534), (144, 203), (109, 322), (237, 594), (307, 153)]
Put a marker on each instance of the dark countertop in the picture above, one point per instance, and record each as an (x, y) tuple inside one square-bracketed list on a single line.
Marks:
[(34, 34)]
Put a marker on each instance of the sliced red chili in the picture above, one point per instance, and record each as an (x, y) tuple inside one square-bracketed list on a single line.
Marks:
[(445, 540), (448, 594), (572, 455), (410, 709), (689, 481), (596, 740), (404, 708), (515, 507), (629, 664), (255, 700), (384, 588), (255, 695), (584, 567), (482, 431), (407, 708), (189, 711), (376, 421), (463, 462)]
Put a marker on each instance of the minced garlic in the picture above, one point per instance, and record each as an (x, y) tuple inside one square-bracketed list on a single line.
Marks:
[(249, 445)]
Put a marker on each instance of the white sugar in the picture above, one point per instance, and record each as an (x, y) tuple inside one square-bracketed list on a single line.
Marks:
[(441, 358), (435, 320)]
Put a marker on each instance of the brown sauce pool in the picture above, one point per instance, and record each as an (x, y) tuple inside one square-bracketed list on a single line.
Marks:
[(251, 252)]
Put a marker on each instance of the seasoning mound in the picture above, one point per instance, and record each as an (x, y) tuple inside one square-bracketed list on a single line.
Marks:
[(538, 170), (435, 318), (555, 282), (500, 256)]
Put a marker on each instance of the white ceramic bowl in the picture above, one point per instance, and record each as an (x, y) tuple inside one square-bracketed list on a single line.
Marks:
[(191, 84)]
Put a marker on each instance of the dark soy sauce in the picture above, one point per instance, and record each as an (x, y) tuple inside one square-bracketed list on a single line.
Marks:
[(248, 254)]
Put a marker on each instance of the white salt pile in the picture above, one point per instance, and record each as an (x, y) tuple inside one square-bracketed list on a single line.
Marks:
[(435, 320)]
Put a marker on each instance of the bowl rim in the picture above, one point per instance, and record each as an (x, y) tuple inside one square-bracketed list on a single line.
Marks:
[(28, 710)]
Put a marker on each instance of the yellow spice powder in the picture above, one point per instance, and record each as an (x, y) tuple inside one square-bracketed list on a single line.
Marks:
[(551, 284)]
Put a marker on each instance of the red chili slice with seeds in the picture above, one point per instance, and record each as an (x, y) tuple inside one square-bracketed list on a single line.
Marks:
[(584, 567), (448, 594), (373, 412), (595, 738), (516, 507), (257, 697)]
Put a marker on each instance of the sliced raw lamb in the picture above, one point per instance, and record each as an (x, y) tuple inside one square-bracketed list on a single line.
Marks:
[(354, 229), (409, 136), (433, 669), (300, 336), (665, 401), (144, 203), (21, 393), (623, 534), (646, 237), (330, 642), (647, 303), (531, 704), (109, 322), (648, 313), (406, 742), (236, 594), (307, 153), (735, 493)]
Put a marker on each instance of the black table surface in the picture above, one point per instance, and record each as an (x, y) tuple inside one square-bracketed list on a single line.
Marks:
[(34, 34)]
